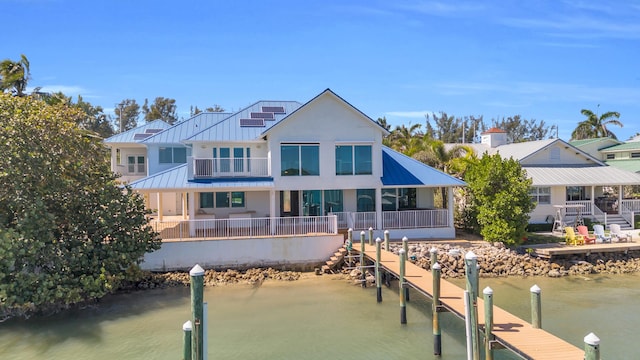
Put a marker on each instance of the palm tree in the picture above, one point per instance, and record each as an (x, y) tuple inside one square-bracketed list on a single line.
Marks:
[(14, 75), (596, 126)]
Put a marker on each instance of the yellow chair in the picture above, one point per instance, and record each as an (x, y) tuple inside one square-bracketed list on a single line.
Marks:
[(571, 238)]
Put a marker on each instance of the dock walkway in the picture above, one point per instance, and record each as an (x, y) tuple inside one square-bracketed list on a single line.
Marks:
[(509, 330)]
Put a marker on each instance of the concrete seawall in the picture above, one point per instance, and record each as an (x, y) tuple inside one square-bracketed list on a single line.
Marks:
[(291, 253)]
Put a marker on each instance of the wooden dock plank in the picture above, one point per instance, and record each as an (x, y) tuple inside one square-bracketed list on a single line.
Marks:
[(511, 331), (558, 249)]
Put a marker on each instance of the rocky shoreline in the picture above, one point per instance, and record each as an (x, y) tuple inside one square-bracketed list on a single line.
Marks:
[(495, 260)]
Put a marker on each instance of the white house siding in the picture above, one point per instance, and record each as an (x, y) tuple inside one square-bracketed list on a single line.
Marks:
[(555, 155), (327, 122)]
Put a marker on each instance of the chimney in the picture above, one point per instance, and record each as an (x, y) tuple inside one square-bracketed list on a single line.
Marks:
[(494, 137)]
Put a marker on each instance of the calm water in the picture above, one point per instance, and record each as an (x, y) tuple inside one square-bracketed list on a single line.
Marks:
[(319, 318)]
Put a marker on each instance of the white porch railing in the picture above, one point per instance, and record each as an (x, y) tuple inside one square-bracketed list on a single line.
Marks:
[(409, 219), (415, 219), (203, 168), (630, 205), (587, 207), (245, 227)]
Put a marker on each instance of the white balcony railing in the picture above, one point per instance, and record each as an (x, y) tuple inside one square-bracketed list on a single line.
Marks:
[(408, 219), (206, 168), (245, 227)]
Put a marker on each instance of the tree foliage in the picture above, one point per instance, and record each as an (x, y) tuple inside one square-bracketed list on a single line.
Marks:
[(14, 75), (521, 130), (162, 108), (451, 129), (595, 126), (68, 231), (194, 110), (498, 202), (127, 113)]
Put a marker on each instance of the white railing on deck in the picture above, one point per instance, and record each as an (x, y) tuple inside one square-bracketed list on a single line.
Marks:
[(364, 220), (587, 207), (245, 227), (415, 219), (630, 205), (238, 167)]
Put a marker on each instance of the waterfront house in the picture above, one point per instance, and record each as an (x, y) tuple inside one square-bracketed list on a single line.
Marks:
[(568, 180), (283, 168)]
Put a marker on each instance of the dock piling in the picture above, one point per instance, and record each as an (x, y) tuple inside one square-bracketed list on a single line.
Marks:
[(386, 240), (435, 307), (378, 275), (536, 307), (488, 323), (371, 236), (405, 246), (471, 268), (591, 347), (350, 245), (362, 269), (434, 255), (403, 304), (186, 349), (197, 312)]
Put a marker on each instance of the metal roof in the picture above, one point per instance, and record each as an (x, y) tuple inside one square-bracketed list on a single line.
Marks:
[(129, 135), (628, 146), (401, 170), (186, 128), (229, 129), (632, 165), (581, 176), (175, 179)]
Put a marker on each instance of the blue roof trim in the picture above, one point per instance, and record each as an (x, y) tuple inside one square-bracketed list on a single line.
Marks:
[(229, 180), (401, 170)]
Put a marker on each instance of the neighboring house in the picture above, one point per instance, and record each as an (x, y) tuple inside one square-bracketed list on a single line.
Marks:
[(565, 176), (281, 167), (129, 154)]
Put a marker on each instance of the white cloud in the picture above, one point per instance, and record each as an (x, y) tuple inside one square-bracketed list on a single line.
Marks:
[(69, 90)]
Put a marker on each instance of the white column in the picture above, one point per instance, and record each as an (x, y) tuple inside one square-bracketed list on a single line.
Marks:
[(379, 208), (593, 200), (192, 213), (272, 209), (450, 205), (184, 206), (114, 159), (160, 210)]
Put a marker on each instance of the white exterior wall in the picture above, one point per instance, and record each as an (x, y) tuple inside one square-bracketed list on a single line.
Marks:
[(425, 197), (303, 252), (567, 156), (327, 122), (540, 213), (153, 158)]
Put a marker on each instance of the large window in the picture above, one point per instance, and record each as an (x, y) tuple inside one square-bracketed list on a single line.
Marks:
[(299, 160), (333, 201), (311, 203), (222, 200), (353, 160), (576, 193), (366, 200), (540, 195), (399, 199), (173, 155)]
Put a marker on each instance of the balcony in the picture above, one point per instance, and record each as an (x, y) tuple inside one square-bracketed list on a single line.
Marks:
[(212, 168)]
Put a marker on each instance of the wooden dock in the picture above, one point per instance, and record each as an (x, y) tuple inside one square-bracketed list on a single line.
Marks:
[(509, 330), (547, 251)]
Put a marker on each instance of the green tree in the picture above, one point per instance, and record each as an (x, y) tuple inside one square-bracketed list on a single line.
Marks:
[(68, 230), (194, 110), (14, 75), (383, 122), (127, 113), (498, 202), (450, 129), (596, 126), (521, 130), (95, 119), (162, 108)]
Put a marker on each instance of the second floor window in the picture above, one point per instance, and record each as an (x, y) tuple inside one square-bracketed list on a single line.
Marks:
[(353, 160), (299, 160), (135, 164), (172, 155)]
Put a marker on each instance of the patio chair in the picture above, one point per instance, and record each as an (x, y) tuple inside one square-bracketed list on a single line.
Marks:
[(571, 238), (588, 238), (598, 231), (617, 233)]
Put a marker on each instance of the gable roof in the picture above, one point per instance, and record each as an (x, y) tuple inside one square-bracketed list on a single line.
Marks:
[(628, 146), (603, 140), (632, 165), (401, 170), (230, 128), (135, 135), (186, 128), (340, 99)]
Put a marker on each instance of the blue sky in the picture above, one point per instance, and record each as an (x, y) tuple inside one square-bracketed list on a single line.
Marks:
[(545, 60)]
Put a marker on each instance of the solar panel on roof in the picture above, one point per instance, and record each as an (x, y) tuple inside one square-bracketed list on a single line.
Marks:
[(274, 109), (141, 136), (262, 115), (153, 131), (252, 122)]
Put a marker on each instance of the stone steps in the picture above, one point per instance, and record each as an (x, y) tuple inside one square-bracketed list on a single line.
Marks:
[(335, 260)]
